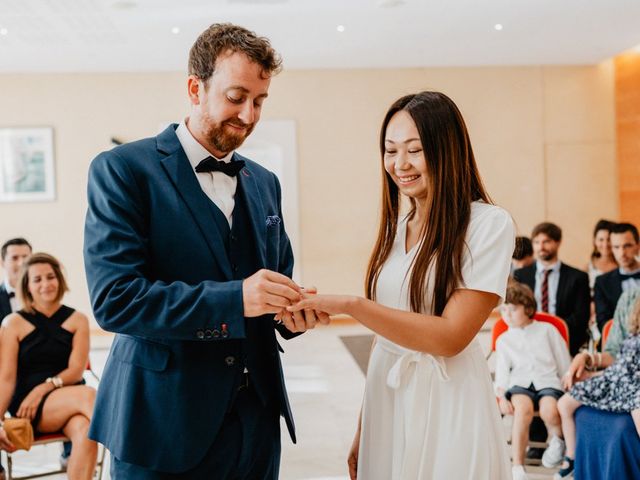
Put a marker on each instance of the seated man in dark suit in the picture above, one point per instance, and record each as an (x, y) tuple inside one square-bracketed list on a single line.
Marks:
[(559, 289), (609, 286)]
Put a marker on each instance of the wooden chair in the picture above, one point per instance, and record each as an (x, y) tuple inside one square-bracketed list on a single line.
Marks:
[(60, 438)]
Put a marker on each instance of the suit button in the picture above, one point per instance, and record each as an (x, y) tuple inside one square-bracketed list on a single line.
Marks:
[(233, 237), (216, 333), (200, 334), (234, 267), (230, 361), (208, 333)]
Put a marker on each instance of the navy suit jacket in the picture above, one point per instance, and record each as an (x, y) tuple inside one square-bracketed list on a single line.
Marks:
[(160, 278), (5, 303), (606, 294), (572, 300)]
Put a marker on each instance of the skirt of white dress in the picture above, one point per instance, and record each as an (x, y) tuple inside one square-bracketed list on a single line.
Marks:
[(430, 418)]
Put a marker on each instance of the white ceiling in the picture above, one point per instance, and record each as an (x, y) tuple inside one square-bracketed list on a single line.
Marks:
[(135, 35)]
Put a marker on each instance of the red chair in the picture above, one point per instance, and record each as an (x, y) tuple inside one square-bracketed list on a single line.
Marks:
[(605, 332), (501, 326)]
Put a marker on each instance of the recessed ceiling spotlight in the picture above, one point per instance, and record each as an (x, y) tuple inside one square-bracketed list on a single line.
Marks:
[(4, 31), (175, 30), (390, 3), (498, 26), (124, 4), (340, 28)]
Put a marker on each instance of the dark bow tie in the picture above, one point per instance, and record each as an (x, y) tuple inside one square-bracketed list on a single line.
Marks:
[(624, 276), (210, 164), (11, 294)]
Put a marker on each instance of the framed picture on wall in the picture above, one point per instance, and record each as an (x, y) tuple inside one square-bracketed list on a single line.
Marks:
[(26, 164)]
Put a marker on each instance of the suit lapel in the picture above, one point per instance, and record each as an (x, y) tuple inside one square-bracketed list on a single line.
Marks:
[(179, 171), (5, 303), (255, 208), (562, 285)]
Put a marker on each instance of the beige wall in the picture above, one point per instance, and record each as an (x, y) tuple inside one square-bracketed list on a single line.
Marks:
[(544, 139)]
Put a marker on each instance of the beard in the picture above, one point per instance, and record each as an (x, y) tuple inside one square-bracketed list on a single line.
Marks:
[(225, 141), (546, 255)]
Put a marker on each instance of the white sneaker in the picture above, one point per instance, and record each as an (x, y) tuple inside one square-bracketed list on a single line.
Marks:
[(554, 453), (518, 473)]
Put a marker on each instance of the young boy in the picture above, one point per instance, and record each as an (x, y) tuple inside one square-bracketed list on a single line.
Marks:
[(531, 358)]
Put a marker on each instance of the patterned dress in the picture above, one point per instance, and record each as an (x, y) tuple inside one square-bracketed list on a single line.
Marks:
[(618, 388)]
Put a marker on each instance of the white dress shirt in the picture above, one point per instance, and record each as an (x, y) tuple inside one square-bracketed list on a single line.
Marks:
[(554, 279), (12, 300), (534, 354), (629, 283), (218, 186)]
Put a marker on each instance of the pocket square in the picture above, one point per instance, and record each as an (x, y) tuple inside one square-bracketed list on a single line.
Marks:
[(273, 220)]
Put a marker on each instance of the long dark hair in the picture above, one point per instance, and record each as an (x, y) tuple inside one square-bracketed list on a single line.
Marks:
[(454, 182), (601, 225)]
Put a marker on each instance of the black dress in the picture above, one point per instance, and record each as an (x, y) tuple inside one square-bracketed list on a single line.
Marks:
[(43, 353)]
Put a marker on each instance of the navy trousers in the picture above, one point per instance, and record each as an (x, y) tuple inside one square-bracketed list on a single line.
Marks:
[(247, 447)]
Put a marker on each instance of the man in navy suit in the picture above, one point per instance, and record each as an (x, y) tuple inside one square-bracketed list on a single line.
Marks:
[(187, 261), (608, 288)]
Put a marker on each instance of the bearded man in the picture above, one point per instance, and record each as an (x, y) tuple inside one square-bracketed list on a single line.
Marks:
[(187, 261)]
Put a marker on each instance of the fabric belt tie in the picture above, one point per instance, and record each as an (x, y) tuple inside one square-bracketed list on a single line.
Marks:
[(411, 386)]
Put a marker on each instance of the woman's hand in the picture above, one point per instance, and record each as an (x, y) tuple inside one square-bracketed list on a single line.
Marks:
[(329, 304), (506, 408), (577, 371), (29, 405), (5, 444), (352, 460)]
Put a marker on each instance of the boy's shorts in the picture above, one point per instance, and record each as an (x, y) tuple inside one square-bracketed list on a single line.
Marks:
[(533, 394)]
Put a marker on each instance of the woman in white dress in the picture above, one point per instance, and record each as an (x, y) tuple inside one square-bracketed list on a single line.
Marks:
[(434, 276)]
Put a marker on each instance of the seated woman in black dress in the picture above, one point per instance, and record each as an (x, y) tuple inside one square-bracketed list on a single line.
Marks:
[(44, 350)]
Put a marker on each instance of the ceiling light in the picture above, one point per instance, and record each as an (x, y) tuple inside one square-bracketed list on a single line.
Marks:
[(498, 26), (340, 28), (124, 4), (390, 3), (175, 30), (4, 31)]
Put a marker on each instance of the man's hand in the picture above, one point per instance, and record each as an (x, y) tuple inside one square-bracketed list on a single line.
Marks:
[(268, 292), (303, 320), (506, 408), (577, 371)]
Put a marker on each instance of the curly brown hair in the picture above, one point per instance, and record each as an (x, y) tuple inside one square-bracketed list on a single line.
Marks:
[(520, 294), (221, 38)]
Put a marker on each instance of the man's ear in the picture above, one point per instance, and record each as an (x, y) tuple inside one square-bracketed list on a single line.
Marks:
[(193, 89)]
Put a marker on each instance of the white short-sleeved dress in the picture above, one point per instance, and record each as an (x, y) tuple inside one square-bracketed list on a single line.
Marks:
[(429, 417)]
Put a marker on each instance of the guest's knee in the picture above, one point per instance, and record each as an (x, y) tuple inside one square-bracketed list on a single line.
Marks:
[(549, 412), (87, 400), (565, 406), (523, 412), (77, 428)]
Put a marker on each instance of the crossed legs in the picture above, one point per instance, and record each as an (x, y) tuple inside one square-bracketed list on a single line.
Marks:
[(70, 409)]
